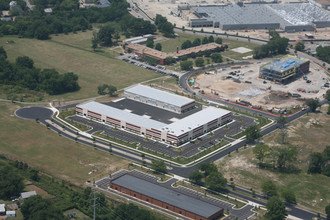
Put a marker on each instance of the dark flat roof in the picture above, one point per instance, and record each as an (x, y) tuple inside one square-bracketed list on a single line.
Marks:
[(169, 196), (153, 112)]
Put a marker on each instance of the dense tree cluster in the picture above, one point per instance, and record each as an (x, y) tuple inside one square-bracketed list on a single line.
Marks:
[(280, 158), (187, 44), (275, 209), (186, 65), (209, 176), (11, 184), (37, 208), (68, 17), (252, 133), (320, 162), (23, 73), (106, 89), (164, 26), (277, 45), (313, 104), (158, 166), (323, 53)]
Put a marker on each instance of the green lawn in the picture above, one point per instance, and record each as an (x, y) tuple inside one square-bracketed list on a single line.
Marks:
[(73, 53), (170, 45), (28, 141), (311, 190)]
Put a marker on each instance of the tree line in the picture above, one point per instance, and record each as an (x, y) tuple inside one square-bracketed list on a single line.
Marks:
[(23, 73), (68, 17), (197, 42), (277, 45), (65, 196)]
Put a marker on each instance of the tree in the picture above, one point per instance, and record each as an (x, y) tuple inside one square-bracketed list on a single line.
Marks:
[(150, 42), (261, 151), (34, 175), (328, 109), (215, 181), (281, 121), (312, 104), (199, 62), (186, 44), (218, 40), (158, 166), (211, 39), (196, 42), (327, 211), (327, 95), (24, 62), (205, 40), (299, 46), (269, 188), (273, 34), (289, 196), (275, 209), (11, 184), (286, 155), (111, 90), (94, 43), (42, 33), (37, 208), (316, 162), (169, 60), (186, 65), (158, 47), (323, 53), (196, 177), (252, 133), (105, 35), (3, 54), (216, 57), (208, 168)]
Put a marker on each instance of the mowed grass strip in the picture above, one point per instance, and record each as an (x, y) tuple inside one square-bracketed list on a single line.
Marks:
[(311, 190), (33, 143), (92, 68)]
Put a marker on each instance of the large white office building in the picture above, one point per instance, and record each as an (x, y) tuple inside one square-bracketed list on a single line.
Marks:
[(175, 133)]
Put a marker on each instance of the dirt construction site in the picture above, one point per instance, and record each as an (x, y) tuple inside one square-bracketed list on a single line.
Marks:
[(242, 84)]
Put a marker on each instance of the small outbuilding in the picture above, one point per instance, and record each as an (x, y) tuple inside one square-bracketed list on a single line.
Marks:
[(26, 195), (11, 214), (2, 209)]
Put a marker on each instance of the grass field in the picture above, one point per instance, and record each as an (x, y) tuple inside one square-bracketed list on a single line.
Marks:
[(73, 53), (34, 144), (311, 190), (170, 45)]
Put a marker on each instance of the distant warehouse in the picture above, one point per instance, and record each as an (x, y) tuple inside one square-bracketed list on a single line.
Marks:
[(290, 17), (159, 98), (166, 198), (284, 70)]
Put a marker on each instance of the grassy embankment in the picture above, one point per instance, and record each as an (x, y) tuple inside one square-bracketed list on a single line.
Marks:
[(311, 190), (73, 53), (28, 141)]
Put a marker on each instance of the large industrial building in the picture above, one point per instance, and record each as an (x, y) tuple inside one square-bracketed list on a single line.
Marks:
[(159, 98), (290, 17), (175, 132), (166, 198), (284, 70)]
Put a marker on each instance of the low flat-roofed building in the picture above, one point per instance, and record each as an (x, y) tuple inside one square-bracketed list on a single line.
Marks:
[(166, 198), (159, 98), (160, 56), (10, 213), (26, 195)]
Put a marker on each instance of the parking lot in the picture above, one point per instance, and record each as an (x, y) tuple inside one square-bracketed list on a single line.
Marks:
[(187, 150), (131, 58)]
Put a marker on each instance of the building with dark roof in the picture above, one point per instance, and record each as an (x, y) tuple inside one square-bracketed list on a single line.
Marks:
[(166, 198)]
